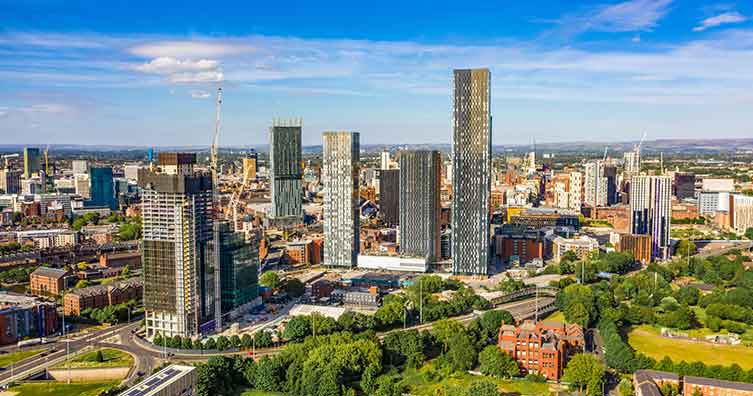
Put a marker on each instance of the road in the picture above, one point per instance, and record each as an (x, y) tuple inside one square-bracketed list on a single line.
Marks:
[(56, 352), (148, 356)]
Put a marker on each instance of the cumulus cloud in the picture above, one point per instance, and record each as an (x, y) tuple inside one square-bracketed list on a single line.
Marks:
[(183, 71), (190, 49), (721, 19)]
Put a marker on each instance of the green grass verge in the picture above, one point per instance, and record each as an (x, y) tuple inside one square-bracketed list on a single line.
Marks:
[(429, 381), (8, 358), (649, 341), (62, 389), (111, 358), (556, 316)]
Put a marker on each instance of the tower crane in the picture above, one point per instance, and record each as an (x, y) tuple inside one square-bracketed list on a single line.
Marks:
[(214, 168)]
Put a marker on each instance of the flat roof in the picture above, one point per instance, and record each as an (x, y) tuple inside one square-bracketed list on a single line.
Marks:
[(158, 381)]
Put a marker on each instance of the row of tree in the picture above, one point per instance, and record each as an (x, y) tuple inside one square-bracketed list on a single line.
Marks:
[(260, 339)]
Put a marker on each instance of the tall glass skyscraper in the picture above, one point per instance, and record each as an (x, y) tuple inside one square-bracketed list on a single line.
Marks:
[(471, 169), (341, 212), (285, 172), (651, 207), (239, 266), (32, 162), (179, 291), (420, 208), (102, 188)]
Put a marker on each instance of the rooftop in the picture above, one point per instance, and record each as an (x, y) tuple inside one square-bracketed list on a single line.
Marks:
[(157, 382)]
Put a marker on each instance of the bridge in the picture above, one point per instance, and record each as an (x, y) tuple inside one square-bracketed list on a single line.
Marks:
[(502, 298)]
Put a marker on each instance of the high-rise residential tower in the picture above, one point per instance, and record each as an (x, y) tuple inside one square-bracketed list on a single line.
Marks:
[(385, 159), (651, 209), (179, 292), (239, 267), (32, 162), (389, 196), (420, 208), (595, 184), (285, 171), (250, 163), (471, 170), (341, 212)]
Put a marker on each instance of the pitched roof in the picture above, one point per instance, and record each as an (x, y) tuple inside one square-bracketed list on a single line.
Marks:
[(48, 272)]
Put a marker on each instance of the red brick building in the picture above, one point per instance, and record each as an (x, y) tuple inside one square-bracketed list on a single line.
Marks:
[(649, 382), (541, 348), (23, 317), (45, 281), (618, 216), (519, 242), (101, 296), (120, 260)]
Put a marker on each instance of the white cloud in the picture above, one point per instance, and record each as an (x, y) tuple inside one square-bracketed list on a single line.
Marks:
[(183, 71), (627, 16), (721, 19), (200, 94), (190, 49)]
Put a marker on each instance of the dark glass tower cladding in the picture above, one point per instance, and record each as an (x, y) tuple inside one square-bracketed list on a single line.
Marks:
[(471, 169), (285, 171), (420, 208), (389, 196)]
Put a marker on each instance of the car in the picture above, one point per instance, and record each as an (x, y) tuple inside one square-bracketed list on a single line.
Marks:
[(139, 373)]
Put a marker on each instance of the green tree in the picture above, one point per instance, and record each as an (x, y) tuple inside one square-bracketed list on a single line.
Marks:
[(685, 248), (495, 363), (626, 387), (267, 375), (129, 232), (445, 329), (294, 287), (222, 343), (585, 371), (210, 344), (186, 343), (297, 328), (99, 358), (82, 284), (235, 341), (270, 279), (263, 339), (482, 387), (749, 233), (462, 353), (388, 385)]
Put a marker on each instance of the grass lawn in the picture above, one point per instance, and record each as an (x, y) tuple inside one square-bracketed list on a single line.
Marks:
[(62, 389), (428, 381), (648, 340), (8, 358), (112, 358), (556, 316)]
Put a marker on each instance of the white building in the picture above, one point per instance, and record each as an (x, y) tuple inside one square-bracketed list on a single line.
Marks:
[(80, 167), (392, 263), (341, 211), (173, 380), (741, 213), (595, 184), (718, 185), (582, 246)]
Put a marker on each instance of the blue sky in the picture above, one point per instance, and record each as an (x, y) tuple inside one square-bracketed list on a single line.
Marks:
[(144, 72)]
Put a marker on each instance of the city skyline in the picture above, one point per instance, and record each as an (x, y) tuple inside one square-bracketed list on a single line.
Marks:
[(595, 69)]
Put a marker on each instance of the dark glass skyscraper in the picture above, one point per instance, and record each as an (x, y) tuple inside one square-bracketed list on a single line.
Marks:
[(471, 171), (420, 208), (32, 162), (389, 195), (102, 188), (239, 266), (285, 172)]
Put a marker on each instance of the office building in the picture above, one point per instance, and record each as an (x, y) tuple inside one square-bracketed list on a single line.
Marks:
[(740, 213), (651, 211), (684, 185), (518, 243), (10, 181), (179, 292), (250, 163), (610, 173), (79, 166), (102, 188), (595, 184), (32, 162), (420, 181), (82, 185), (239, 268), (582, 246), (638, 245), (471, 170), (341, 154), (285, 171), (173, 380), (389, 196), (541, 348)]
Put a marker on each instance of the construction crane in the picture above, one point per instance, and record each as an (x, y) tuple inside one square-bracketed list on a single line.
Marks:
[(214, 168), (605, 152)]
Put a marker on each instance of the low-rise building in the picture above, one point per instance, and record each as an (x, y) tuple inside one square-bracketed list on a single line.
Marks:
[(101, 296), (25, 317), (519, 243), (647, 382), (638, 245), (650, 382), (173, 380), (582, 246), (45, 281), (132, 260), (541, 348)]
